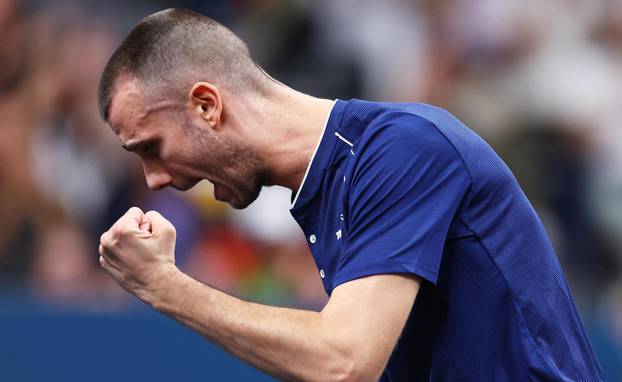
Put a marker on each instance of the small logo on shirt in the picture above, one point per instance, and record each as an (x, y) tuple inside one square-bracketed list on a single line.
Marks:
[(338, 234)]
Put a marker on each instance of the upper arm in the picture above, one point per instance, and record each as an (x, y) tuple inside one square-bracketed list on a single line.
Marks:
[(406, 187), (365, 317)]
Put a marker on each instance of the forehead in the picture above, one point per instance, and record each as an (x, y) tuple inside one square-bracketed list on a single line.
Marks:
[(127, 109)]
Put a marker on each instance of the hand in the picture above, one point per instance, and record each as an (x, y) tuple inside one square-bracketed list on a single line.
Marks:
[(139, 252)]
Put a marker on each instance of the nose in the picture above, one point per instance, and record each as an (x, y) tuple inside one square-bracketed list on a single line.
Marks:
[(157, 177)]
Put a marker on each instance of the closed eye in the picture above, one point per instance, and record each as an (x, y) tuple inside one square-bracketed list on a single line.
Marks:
[(150, 149)]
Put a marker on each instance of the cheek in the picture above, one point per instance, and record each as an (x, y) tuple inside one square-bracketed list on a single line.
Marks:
[(176, 151), (186, 163)]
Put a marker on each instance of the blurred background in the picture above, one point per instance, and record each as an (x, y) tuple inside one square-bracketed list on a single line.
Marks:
[(540, 80)]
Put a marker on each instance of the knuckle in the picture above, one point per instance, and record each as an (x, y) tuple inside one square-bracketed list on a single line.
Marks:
[(102, 262), (119, 230), (106, 239), (115, 227), (171, 229), (134, 209), (168, 231), (151, 213)]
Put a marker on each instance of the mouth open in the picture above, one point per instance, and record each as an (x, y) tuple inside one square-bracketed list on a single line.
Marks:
[(186, 186), (220, 192)]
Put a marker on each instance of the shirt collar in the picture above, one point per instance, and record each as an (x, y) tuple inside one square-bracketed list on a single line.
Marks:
[(321, 156)]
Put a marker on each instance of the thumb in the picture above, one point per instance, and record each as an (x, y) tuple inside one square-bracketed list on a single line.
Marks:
[(159, 225), (133, 217), (145, 224)]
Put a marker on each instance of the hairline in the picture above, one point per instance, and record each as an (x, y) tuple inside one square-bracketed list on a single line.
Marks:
[(125, 64)]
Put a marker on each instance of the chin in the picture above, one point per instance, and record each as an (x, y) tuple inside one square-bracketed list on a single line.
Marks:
[(186, 186), (240, 204)]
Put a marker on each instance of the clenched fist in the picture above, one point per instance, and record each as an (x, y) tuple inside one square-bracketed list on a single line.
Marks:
[(139, 252)]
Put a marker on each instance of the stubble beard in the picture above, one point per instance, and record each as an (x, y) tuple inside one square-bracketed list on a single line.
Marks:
[(236, 164)]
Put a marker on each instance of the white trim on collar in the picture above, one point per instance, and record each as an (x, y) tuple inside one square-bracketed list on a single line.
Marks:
[(343, 139), (313, 156)]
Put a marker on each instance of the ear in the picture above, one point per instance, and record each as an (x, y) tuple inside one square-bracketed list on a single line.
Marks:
[(206, 100)]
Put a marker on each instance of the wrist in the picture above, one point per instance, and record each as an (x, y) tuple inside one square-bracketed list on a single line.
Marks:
[(161, 283)]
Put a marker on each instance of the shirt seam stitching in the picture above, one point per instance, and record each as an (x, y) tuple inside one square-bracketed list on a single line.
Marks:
[(531, 336)]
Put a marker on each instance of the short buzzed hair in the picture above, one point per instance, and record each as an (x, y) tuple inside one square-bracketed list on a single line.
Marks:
[(176, 48)]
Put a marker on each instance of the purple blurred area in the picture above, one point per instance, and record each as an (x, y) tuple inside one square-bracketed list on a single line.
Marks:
[(541, 81)]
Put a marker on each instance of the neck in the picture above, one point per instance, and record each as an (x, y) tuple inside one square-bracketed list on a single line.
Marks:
[(289, 125)]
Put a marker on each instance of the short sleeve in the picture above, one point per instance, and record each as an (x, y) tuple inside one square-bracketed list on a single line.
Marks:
[(407, 184)]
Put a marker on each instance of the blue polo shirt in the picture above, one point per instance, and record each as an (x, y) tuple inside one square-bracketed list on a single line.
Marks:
[(409, 189)]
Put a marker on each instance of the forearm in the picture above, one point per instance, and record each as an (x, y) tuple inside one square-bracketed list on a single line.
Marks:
[(351, 339), (288, 343)]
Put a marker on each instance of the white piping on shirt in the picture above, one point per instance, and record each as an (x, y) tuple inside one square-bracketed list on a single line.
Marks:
[(343, 139), (313, 156)]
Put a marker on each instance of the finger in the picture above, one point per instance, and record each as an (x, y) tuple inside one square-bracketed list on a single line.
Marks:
[(159, 224), (108, 262), (133, 216), (145, 224), (105, 255), (112, 271), (106, 240), (103, 263)]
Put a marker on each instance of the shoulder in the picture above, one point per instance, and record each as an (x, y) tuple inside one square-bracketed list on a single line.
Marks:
[(367, 124), (397, 134), (409, 137)]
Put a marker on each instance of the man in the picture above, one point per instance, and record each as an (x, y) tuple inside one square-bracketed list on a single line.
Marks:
[(401, 204)]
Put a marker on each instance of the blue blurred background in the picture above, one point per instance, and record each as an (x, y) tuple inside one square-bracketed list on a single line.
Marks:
[(540, 80)]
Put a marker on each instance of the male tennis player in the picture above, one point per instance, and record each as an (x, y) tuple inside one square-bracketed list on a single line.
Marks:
[(401, 204)]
